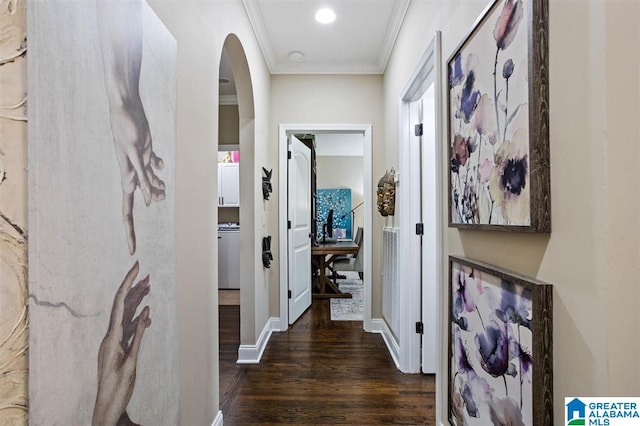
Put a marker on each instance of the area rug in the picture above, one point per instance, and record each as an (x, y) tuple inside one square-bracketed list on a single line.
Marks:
[(348, 309)]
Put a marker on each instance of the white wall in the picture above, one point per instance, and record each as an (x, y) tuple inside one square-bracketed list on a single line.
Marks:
[(228, 125), (340, 164), (593, 249), (622, 131), (339, 144), (329, 99), (201, 29)]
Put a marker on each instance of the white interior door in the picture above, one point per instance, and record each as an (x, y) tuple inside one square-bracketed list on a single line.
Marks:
[(421, 202), (299, 197), (430, 208)]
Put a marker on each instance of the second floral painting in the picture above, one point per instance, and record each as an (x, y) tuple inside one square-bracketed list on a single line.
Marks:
[(498, 121), (500, 346)]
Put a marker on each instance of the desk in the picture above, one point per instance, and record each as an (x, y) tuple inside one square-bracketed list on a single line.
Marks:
[(319, 258)]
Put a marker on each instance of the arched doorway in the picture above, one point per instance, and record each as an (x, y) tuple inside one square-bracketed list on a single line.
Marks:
[(233, 60)]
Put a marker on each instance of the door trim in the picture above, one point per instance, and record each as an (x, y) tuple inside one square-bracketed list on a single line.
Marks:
[(283, 131)]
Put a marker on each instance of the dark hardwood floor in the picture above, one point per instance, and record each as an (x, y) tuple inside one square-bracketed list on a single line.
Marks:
[(320, 372)]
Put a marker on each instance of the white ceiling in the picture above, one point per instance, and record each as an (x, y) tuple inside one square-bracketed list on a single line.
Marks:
[(359, 41)]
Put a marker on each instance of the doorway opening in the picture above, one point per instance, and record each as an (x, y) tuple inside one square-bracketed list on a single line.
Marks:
[(339, 209), (228, 221), (235, 239), (228, 166), (285, 131)]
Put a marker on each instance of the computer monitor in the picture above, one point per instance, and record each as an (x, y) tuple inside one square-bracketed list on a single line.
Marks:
[(329, 223), (327, 228)]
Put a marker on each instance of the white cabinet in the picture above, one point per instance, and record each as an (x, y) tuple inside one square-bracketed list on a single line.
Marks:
[(228, 184), (229, 259)]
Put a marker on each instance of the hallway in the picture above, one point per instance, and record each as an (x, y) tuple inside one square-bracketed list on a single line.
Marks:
[(319, 372)]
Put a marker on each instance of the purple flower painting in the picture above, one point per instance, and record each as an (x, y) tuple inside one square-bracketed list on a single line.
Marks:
[(490, 175), (491, 363)]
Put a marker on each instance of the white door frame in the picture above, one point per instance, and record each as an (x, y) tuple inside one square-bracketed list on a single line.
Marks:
[(283, 131), (427, 72)]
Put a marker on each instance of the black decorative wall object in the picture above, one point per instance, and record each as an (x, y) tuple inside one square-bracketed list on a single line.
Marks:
[(267, 257), (267, 189)]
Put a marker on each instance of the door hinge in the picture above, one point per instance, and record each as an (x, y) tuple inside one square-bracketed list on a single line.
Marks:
[(288, 155), (419, 327), (419, 228), (418, 129), (288, 224), (289, 294)]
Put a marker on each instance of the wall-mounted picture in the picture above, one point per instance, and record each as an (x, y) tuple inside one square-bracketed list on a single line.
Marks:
[(338, 200), (500, 346), (102, 273), (498, 121)]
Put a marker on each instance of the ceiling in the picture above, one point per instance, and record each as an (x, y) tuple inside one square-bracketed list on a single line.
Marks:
[(227, 84), (359, 41)]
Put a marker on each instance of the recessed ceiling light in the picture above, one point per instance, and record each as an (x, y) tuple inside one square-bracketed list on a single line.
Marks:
[(325, 16), (296, 56)]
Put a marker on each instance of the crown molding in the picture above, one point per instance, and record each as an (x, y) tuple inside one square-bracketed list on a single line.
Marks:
[(257, 23), (393, 29)]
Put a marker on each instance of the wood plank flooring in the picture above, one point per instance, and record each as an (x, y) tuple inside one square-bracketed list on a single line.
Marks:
[(319, 372)]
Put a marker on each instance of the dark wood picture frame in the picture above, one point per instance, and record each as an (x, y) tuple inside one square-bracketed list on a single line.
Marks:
[(500, 336), (506, 190)]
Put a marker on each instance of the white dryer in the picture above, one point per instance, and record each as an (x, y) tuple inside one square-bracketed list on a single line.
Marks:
[(228, 256)]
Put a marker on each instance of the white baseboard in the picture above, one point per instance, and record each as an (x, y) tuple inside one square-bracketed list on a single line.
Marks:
[(380, 326), (377, 325), (278, 325), (218, 420), (251, 354)]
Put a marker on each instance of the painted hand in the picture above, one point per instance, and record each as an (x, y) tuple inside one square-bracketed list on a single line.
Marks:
[(120, 30), (132, 141), (118, 354)]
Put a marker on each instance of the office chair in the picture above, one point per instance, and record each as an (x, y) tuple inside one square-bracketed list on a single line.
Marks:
[(350, 263)]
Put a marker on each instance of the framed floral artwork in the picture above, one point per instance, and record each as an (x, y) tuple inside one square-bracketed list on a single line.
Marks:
[(498, 121), (500, 346)]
